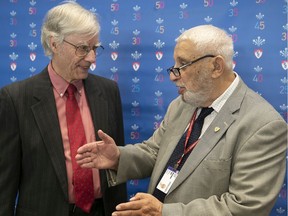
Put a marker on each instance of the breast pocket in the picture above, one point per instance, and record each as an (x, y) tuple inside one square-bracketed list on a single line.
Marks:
[(218, 173)]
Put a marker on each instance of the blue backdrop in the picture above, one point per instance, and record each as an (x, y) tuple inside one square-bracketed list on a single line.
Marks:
[(139, 37)]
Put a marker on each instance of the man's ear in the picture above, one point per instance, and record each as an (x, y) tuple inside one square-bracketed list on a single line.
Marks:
[(53, 44), (219, 66)]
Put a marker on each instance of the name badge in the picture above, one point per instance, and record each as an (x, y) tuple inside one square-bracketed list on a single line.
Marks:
[(167, 180)]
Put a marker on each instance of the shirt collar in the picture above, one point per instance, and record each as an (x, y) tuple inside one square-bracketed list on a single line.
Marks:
[(61, 84), (221, 100)]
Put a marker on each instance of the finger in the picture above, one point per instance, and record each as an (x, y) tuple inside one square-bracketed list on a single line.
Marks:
[(87, 165), (86, 148), (83, 158), (126, 213), (135, 205), (139, 196), (104, 137)]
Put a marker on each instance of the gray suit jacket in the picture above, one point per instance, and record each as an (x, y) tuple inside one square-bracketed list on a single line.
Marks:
[(32, 157), (236, 170)]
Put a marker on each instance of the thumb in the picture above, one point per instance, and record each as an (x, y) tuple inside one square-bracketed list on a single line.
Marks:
[(105, 137)]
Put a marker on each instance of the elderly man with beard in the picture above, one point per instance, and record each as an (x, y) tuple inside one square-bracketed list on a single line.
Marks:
[(226, 169)]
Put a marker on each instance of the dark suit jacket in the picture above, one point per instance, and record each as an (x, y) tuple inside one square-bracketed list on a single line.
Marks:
[(32, 157)]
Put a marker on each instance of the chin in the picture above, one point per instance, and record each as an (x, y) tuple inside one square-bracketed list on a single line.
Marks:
[(83, 75), (186, 99), (193, 99)]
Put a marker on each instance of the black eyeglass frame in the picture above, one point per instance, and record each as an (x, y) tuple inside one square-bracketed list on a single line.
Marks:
[(87, 50), (176, 71)]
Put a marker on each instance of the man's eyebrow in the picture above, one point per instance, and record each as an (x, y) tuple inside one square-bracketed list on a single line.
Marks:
[(96, 45), (181, 59)]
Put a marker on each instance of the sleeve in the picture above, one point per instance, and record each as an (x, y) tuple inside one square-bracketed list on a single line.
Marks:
[(143, 154), (10, 154), (120, 124)]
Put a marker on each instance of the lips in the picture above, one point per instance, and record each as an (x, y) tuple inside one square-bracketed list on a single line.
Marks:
[(86, 67), (181, 90)]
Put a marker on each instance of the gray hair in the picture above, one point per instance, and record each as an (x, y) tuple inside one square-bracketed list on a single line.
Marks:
[(209, 39), (66, 19)]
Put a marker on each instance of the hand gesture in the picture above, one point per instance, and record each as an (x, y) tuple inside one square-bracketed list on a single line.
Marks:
[(102, 154), (141, 204)]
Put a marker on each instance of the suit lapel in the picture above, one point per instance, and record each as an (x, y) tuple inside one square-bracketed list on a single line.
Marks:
[(46, 117), (222, 121), (174, 136), (98, 105), (99, 112), (203, 148)]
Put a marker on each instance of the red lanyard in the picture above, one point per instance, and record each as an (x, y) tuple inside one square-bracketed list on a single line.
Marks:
[(189, 149)]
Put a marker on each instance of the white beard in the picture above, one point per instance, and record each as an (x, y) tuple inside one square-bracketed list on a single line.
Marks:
[(201, 97)]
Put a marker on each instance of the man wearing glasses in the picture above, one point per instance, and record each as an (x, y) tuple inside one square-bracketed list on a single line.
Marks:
[(44, 119), (220, 150)]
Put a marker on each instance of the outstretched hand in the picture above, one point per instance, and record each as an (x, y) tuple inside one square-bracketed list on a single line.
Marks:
[(102, 154)]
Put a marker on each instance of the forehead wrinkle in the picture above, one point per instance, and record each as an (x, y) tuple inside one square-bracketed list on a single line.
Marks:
[(185, 50), (84, 40)]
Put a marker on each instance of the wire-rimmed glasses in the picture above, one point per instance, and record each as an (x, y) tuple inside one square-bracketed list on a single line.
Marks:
[(83, 50)]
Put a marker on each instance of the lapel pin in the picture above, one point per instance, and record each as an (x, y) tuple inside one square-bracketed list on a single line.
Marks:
[(216, 129)]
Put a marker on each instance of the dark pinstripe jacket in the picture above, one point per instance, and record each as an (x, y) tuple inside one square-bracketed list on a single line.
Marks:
[(32, 158)]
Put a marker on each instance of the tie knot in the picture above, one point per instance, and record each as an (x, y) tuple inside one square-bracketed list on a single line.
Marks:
[(205, 112), (71, 90)]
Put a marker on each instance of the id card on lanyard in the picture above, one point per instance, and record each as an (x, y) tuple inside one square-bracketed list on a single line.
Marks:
[(171, 173), (167, 180)]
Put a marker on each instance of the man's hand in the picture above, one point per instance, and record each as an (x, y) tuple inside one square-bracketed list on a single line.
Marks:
[(142, 204), (101, 154)]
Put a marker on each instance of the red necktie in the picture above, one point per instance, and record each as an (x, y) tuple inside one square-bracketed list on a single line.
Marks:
[(82, 178)]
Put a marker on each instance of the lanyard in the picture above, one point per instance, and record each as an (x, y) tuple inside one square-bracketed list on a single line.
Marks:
[(189, 149)]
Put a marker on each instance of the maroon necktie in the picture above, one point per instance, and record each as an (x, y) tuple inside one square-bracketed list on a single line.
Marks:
[(82, 178)]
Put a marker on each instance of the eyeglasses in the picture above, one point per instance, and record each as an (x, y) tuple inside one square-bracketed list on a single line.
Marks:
[(176, 71), (83, 50)]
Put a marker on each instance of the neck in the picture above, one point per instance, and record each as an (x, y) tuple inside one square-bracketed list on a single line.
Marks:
[(54, 67), (220, 85)]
